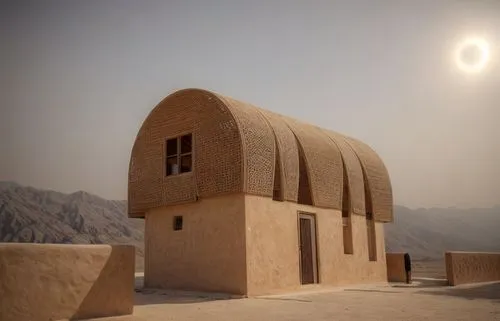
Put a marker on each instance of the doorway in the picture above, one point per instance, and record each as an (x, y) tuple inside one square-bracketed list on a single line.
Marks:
[(307, 249)]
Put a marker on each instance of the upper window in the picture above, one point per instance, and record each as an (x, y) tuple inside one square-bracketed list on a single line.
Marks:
[(179, 157)]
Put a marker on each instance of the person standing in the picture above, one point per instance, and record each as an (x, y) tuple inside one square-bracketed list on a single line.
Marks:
[(408, 268)]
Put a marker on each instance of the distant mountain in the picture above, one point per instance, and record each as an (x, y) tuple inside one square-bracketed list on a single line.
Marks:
[(428, 233), (41, 216), (32, 215)]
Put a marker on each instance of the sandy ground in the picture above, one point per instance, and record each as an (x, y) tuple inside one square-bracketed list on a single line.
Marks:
[(425, 299)]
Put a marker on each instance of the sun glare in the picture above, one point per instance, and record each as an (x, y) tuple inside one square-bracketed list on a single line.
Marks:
[(472, 55)]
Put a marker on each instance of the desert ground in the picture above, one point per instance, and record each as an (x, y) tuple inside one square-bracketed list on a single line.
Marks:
[(427, 298)]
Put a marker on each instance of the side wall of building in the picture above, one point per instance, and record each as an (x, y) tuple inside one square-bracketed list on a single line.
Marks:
[(272, 248), (207, 254)]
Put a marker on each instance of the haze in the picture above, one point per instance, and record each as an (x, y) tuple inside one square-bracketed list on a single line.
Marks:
[(77, 78)]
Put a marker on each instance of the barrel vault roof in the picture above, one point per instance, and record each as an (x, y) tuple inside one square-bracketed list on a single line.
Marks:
[(242, 148)]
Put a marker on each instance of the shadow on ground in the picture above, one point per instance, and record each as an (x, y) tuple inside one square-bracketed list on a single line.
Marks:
[(145, 296), (422, 283), (370, 290), (488, 291), (158, 296)]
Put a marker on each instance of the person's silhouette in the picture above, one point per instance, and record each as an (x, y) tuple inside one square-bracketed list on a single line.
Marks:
[(408, 268)]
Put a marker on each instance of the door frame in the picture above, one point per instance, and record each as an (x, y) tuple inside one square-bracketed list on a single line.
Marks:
[(314, 242)]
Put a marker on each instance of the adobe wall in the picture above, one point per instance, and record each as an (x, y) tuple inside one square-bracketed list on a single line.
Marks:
[(396, 267), (273, 255), (52, 282), (472, 267), (208, 254)]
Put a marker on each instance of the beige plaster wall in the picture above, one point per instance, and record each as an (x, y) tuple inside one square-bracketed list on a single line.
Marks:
[(51, 282), (272, 247), (207, 254), (471, 267), (396, 267)]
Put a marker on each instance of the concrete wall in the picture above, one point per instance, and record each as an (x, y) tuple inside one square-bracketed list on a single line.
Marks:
[(207, 254), (51, 282), (471, 267), (396, 267), (272, 247)]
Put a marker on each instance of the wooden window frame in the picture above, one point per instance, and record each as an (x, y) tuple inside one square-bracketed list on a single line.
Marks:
[(178, 156)]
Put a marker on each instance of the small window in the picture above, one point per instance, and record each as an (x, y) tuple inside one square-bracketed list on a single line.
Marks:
[(178, 158), (177, 223)]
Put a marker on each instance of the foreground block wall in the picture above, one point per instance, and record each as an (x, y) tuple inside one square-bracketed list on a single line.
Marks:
[(207, 254), (273, 251), (396, 267), (52, 282), (471, 267)]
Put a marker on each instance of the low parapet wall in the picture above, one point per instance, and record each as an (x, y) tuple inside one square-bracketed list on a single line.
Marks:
[(52, 282), (395, 267), (472, 267)]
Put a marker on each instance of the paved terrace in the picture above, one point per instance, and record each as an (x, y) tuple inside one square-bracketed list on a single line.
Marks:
[(425, 299)]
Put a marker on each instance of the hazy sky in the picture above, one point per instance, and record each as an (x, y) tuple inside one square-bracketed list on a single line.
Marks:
[(77, 78)]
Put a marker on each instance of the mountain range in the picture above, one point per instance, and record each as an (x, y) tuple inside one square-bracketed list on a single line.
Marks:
[(28, 214)]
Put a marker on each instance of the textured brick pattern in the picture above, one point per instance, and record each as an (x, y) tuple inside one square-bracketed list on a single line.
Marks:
[(288, 155), (236, 147), (258, 147), (354, 172), (377, 179), (323, 163), (218, 152)]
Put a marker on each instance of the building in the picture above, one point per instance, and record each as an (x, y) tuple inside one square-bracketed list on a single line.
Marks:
[(241, 200)]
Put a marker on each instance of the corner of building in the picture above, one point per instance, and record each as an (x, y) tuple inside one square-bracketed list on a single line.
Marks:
[(198, 246)]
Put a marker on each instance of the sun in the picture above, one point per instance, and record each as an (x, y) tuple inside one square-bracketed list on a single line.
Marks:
[(472, 55)]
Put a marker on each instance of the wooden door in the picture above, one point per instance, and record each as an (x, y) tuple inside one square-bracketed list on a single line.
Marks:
[(307, 249)]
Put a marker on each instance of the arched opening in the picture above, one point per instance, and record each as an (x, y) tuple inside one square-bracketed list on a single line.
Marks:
[(370, 224), (277, 189), (304, 196), (346, 216)]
